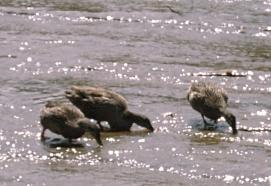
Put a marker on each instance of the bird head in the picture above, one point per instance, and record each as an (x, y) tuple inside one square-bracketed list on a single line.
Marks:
[(230, 118), (91, 127)]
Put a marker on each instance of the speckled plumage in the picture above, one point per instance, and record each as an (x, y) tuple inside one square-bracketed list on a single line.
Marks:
[(210, 101), (104, 105), (66, 120)]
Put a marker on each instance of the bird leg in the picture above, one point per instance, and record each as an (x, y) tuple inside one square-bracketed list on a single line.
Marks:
[(204, 121), (215, 122), (100, 125), (42, 137)]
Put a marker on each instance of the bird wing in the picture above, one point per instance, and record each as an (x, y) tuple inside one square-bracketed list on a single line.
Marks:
[(61, 115), (98, 96), (214, 97), (53, 119)]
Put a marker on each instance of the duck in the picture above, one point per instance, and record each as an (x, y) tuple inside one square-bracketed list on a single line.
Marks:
[(105, 105), (68, 121), (210, 101)]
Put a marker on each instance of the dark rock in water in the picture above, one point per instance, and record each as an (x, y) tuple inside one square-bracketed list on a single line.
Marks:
[(253, 129), (226, 72)]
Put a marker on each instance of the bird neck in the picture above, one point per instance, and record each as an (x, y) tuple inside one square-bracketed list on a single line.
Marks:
[(132, 117), (230, 118)]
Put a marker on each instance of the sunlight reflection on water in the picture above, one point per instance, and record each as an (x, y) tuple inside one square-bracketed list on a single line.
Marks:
[(150, 54)]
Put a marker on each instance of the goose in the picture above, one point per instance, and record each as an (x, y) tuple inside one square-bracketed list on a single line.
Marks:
[(67, 120), (104, 105), (211, 102)]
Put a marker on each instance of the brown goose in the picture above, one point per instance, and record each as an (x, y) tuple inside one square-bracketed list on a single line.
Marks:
[(68, 121), (210, 101), (104, 105)]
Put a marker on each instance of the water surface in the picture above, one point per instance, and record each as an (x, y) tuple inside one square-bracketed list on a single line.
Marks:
[(148, 53)]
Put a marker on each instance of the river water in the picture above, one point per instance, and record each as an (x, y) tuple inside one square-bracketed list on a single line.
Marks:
[(149, 51)]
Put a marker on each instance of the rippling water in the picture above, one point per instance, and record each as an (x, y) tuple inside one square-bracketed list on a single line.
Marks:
[(148, 51)]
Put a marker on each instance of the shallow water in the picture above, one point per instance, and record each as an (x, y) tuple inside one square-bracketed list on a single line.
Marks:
[(148, 53)]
